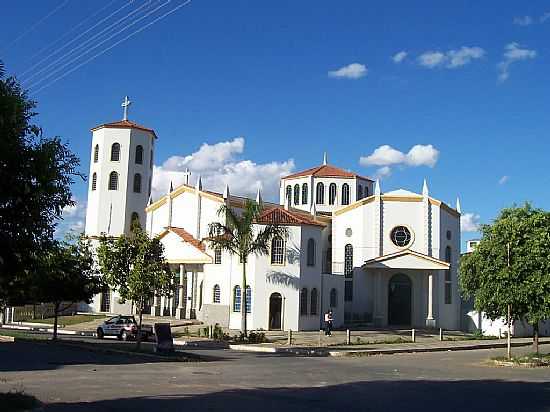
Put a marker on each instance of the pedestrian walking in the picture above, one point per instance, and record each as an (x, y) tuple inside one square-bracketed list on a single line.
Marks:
[(328, 323)]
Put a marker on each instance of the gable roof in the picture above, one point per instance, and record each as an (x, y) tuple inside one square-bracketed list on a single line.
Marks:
[(326, 171), (125, 124), (186, 236), (392, 260), (279, 215)]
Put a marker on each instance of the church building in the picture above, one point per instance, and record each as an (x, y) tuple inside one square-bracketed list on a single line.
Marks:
[(377, 258)]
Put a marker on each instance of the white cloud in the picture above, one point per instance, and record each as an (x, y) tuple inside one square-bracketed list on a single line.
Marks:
[(513, 52), (74, 219), (399, 57), (545, 17), (217, 164), (386, 156), (503, 180), (351, 71), (469, 222), (451, 59), (383, 172), (523, 21)]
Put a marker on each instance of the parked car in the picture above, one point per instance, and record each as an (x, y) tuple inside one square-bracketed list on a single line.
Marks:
[(124, 328)]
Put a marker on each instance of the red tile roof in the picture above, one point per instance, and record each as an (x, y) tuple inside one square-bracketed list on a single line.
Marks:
[(188, 237), (326, 171), (278, 215), (125, 124)]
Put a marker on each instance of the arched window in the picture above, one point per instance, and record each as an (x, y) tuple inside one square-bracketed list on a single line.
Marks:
[(359, 192), (277, 251), (288, 196), (303, 301), (115, 152), (134, 220), (96, 153), (139, 154), (345, 194), (296, 194), (332, 194), (348, 261), (237, 299), (137, 183), (218, 256), (113, 181), (94, 181), (304, 194), (248, 299), (333, 298), (320, 194), (366, 194), (448, 254), (151, 160), (311, 252), (328, 261), (217, 294), (448, 279), (313, 309)]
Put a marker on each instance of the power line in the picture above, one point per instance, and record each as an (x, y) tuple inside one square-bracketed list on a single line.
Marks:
[(67, 33), (114, 45), (110, 26), (35, 25), (88, 50)]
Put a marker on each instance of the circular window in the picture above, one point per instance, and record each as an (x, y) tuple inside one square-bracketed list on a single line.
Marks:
[(449, 235), (349, 232), (400, 236)]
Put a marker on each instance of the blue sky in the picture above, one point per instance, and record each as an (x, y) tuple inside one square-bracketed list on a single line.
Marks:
[(473, 85)]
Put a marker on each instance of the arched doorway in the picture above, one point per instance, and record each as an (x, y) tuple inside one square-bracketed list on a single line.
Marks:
[(275, 311), (399, 300)]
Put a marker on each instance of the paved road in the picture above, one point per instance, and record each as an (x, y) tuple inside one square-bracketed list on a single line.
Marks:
[(72, 379)]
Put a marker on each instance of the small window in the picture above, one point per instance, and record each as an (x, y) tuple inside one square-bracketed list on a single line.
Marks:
[(400, 236), (218, 256), (296, 194), (348, 291), (237, 299), (151, 160), (332, 194), (348, 261), (217, 294), (320, 194), (137, 183), (311, 252), (303, 301), (345, 194), (314, 305), (333, 298), (96, 153), (366, 194), (359, 192), (115, 152), (94, 181), (277, 251), (113, 181), (304, 194), (139, 154), (248, 299), (448, 293), (448, 254), (449, 235)]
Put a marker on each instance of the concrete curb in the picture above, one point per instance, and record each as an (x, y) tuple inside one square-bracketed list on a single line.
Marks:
[(48, 330)]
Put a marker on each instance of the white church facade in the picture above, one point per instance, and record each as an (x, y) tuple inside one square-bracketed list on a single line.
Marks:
[(386, 259)]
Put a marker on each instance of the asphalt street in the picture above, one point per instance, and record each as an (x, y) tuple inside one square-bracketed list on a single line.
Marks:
[(72, 379)]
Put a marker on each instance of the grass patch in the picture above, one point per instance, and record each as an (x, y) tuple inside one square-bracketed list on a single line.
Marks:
[(20, 334), (531, 360), (69, 320), (17, 401), (361, 341)]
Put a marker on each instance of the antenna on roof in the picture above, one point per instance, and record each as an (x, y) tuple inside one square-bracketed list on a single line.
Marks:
[(325, 159)]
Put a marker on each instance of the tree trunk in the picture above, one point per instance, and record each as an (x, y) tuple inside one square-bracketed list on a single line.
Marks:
[(55, 318), (138, 337), (243, 301), (536, 338)]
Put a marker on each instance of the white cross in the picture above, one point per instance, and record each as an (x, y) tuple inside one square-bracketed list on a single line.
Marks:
[(187, 174), (125, 104)]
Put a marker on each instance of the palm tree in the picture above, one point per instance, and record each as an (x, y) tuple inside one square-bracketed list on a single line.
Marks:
[(239, 237)]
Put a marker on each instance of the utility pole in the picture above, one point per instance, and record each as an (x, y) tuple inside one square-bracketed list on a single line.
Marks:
[(509, 317)]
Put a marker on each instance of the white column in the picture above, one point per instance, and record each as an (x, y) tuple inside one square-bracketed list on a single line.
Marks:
[(155, 310), (378, 315), (430, 321), (180, 311), (171, 299), (162, 305), (189, 295)]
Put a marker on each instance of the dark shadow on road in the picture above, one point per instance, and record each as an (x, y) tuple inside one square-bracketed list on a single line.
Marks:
[(422, 395)]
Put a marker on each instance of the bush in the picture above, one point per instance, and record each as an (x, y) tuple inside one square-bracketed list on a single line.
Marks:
[(253, 337)]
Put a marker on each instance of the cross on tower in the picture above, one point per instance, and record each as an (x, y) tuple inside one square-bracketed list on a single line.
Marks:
[(125, 104), (187, 174)]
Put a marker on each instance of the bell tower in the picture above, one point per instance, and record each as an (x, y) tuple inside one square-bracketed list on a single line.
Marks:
[(121, 169)]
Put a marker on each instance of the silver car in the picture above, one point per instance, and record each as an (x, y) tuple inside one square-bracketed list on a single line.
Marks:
[(124, 328)]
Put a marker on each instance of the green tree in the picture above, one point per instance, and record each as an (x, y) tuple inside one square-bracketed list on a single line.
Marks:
[(35, 177), (66, 274), (134, 265), (509, 271), (239, 236)]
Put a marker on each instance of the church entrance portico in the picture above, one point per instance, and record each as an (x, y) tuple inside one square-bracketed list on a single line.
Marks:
[(400, 300)]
